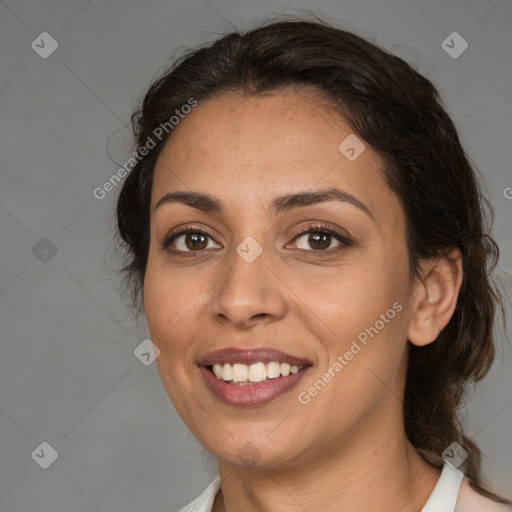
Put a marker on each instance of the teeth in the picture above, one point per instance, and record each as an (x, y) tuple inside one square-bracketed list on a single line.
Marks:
[(240, 372), (273, 370), (285, 369), (257, 372)]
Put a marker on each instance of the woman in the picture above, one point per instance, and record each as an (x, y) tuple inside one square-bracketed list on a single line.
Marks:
[(306, 239)]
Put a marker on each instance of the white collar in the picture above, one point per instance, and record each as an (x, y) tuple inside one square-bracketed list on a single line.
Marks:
[(445, 493), (442, 499)]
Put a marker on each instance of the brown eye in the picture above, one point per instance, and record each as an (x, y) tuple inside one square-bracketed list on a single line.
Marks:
[(195, 241), (320, 238), (189, 240)]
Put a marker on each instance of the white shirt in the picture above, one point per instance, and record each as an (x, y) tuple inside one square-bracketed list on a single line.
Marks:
[(444, 498)]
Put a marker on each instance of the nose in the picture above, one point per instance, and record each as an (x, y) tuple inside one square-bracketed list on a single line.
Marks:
[(248, 294)]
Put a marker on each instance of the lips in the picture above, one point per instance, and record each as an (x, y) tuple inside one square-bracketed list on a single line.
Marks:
[(234, 355), (251, 394)]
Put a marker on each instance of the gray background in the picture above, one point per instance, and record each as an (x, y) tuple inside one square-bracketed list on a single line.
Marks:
[(68, 374)]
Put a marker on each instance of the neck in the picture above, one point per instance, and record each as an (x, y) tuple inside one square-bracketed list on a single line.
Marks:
[(376, 470)]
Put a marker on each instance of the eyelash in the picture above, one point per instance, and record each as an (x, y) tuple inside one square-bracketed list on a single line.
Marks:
[(317, 228)]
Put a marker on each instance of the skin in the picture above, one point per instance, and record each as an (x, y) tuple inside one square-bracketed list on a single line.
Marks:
[(350, 438)]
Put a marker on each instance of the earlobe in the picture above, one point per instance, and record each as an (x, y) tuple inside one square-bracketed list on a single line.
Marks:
[(436, 296)]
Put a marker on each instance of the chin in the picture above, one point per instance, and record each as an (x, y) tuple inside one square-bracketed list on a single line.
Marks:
[(254, 454)]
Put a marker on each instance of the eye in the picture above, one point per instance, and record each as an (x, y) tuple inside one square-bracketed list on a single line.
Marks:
[(192, 240), (320, 239)]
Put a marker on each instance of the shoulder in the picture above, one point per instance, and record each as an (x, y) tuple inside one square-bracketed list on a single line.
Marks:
[(470, 500)]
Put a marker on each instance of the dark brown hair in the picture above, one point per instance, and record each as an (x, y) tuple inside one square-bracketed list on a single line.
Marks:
[(400, 114)]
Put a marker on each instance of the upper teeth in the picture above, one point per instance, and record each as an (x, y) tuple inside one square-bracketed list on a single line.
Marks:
[(256, 372)]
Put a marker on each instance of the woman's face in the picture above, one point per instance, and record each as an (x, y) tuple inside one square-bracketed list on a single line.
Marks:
[(250, 281)]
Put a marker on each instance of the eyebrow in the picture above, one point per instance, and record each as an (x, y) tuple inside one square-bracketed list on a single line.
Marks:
[(280, 204)]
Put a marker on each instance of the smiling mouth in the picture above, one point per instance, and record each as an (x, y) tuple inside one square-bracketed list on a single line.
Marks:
[(244, 385), (240, 374)]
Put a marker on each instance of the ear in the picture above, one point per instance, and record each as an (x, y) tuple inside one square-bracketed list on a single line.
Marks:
[(435, 296)]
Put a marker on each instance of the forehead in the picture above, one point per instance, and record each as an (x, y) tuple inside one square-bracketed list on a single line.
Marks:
[(255, 146)]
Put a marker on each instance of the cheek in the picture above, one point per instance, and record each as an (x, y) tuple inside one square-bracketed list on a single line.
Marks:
[(166, 306), (163, 304), (362, 313), (355, 295), (173, 301)]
